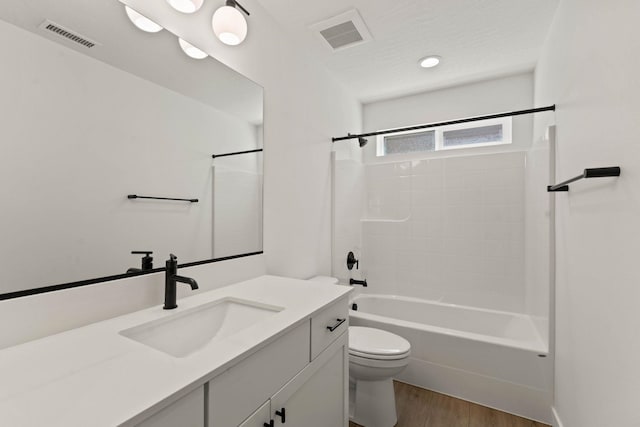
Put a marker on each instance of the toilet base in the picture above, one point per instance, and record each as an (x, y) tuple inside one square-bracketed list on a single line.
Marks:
[(373, 403)]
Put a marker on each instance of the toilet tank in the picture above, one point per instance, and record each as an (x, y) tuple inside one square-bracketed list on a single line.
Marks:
[(325, 279)]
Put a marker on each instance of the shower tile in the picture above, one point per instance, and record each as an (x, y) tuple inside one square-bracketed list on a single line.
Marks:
[(462, 197), (432, 197), (402, 169), (463, 230), (502, 196), (504, 178), (503, 213), (379, 172)]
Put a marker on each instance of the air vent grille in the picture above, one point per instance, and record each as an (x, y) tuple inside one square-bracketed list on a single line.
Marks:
[(341, 35), (68, 34), (343, 31)]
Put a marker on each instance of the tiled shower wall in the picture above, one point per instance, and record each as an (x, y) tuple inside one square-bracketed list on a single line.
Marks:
[(448, 229)]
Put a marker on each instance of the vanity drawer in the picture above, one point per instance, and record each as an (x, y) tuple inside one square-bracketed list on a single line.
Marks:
[(236, 393), (336, 317)]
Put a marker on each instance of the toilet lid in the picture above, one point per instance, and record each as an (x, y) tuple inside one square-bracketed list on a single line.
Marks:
[(376, 343)]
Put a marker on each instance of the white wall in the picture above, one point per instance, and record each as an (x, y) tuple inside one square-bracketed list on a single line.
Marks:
[(79, 135), (475, 99), (304, 108), (590, 70)]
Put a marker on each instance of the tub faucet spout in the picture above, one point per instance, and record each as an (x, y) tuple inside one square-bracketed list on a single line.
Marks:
[(358, 282)]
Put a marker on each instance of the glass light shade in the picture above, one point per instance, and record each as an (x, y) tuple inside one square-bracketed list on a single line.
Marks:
[(191, 50), (186, 6), (229, 25), (429, 61), (142, 22)]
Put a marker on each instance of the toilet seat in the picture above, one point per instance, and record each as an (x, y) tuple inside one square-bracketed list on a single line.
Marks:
[(376, 344)]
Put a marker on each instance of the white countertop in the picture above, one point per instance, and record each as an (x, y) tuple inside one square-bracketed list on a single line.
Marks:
[(93, 376)]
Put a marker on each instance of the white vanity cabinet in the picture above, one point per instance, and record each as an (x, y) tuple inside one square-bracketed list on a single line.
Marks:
[(304, 372), (317, 396), (188, 411)]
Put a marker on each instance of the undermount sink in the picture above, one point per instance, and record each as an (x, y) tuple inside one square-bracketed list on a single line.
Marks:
[(183, 333)]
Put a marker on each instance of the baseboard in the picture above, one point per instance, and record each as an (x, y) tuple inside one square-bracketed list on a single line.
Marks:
[(505, 396), (556, 418)]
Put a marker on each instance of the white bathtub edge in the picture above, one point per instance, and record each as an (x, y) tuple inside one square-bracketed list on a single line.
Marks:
[(487, 391), (556, 418), (450, 332)]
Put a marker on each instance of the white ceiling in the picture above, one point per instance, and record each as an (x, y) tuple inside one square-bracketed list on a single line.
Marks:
[(477, 39), (154, 57)]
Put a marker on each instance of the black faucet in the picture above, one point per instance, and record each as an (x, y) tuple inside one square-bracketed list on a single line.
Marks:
[(170, 279), (358, 282), (147, 262)]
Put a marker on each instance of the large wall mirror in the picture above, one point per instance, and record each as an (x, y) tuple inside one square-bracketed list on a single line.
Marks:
[(85, 127)]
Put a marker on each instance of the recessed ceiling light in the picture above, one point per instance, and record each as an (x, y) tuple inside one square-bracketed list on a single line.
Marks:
[(142, 22), (429, 61), (191, 50)]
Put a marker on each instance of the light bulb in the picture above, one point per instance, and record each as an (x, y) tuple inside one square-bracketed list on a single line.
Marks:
[(142, 22), (186, 6), (429, 61), (191, 50), (229, 25)]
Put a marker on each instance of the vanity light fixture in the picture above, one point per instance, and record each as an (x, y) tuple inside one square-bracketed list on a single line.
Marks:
[(141, 21), (186, 6), (429, 61), (229, 24), (191, 50)]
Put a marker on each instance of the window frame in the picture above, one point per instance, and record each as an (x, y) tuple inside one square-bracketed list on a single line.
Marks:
[(507, 137)]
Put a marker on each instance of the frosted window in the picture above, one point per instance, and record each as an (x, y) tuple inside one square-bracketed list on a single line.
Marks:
[(471, 136), (410, 142)]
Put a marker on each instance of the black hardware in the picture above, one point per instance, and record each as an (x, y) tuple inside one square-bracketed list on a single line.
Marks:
[(588, 173), (271, 424), (236, 153), (354, 307), (234, 3), (281, 414), (351, 261), (80, 283), (170, 279), (147, 262), (358, 282), (450, 122), (135, 196), (334, 327)]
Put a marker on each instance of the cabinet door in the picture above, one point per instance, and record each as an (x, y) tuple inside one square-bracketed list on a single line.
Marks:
[(259, 418), (186, 412), (317, 396)]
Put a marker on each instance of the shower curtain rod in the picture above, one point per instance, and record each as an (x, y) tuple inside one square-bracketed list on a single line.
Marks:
[(450, 122)]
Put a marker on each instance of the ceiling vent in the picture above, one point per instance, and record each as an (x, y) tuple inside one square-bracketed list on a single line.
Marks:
[(59, 30), (342, 31)]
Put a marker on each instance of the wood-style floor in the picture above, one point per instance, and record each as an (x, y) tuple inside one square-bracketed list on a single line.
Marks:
[(418, 407)]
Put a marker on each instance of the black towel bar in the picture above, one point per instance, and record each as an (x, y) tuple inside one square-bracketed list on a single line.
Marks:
[(134, 196), (588, 173)]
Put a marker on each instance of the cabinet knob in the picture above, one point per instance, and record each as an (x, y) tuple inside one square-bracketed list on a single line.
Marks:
[(269, 425), (281, 413)]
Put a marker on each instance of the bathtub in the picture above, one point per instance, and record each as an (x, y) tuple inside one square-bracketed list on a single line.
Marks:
[(490, 357)]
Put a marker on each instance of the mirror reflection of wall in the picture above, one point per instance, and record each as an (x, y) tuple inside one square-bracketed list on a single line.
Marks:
[(79, 135), (237, 204)]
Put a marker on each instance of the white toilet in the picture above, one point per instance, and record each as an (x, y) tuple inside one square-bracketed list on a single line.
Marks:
[(375, 356)]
